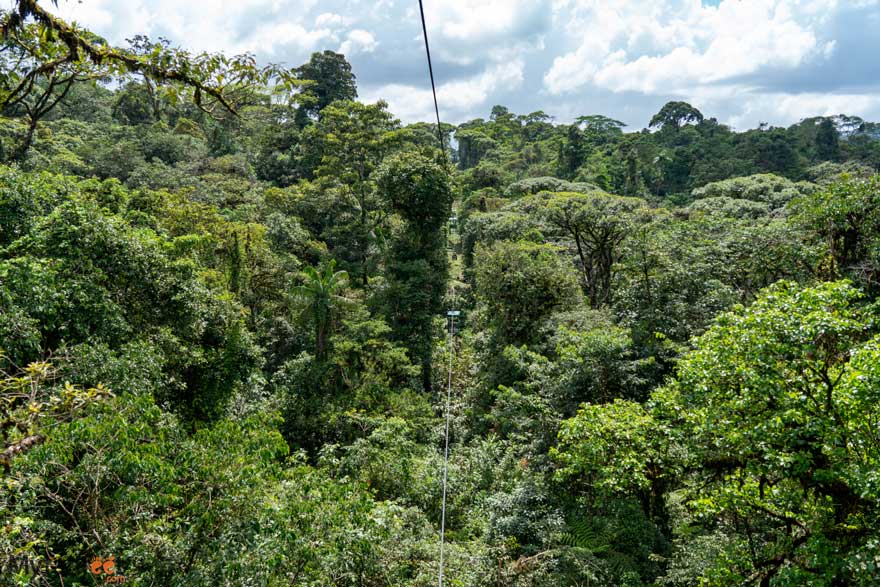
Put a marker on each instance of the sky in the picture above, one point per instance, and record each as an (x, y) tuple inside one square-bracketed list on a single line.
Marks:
[(743, 62)]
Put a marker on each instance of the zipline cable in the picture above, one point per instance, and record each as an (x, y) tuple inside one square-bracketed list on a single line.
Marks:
[(446, 440), (451, 313), (431, 72)]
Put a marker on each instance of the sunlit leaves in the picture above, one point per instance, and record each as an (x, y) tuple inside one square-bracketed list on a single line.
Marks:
[(31, 400), (768, 431)]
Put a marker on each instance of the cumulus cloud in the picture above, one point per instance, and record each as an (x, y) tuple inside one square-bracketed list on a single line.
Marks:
[(481, 20), (690, 44), (279, 39), (262, 26), (461, 95), (358, 41), (458, 99), (330, 19), (741, 61), (790, 108)]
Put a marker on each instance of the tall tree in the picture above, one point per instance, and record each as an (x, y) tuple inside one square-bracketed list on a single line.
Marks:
[(331, 79), (349, 142), (419, 190), (674, 115), (600, 129), (845, 217), (766, 439), (597, 224), (571, 152), (827, 143)]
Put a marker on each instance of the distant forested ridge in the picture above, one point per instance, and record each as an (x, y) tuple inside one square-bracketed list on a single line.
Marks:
[(223, 349)]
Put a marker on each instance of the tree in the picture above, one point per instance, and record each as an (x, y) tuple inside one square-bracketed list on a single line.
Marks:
[(419, 190), (571, 152), (770, 151), (521, 284), (600, 130), (632, 179), (331, 81), (38, 75), (133, 105), (597, 223), (674, 115), (782, 445), (349, 142), (473, 145), (827, 144), (772, 190), (276, 139), (764, 435), (223, 502), (319, 294), (536, 126), (845, 217), (83, 275), (142, 101), (215, 83), (31, 401), (623, 450)]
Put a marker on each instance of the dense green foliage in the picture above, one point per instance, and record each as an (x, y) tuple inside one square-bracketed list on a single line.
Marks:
[(223, 360)]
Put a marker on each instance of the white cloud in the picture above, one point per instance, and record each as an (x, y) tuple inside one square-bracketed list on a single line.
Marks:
[(330, 19), (784, 109), (574, 69), (358, 41), (684, 45), (475, 20), (280, 38), (457, 99), (620, 58), (230, 26), (475, 32), (461, 95), (407, 102)]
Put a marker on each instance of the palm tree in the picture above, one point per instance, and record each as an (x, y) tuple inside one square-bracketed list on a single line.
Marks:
[(319, 296)]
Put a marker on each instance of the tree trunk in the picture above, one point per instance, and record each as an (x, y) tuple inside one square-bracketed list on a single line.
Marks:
[(28, 140)]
